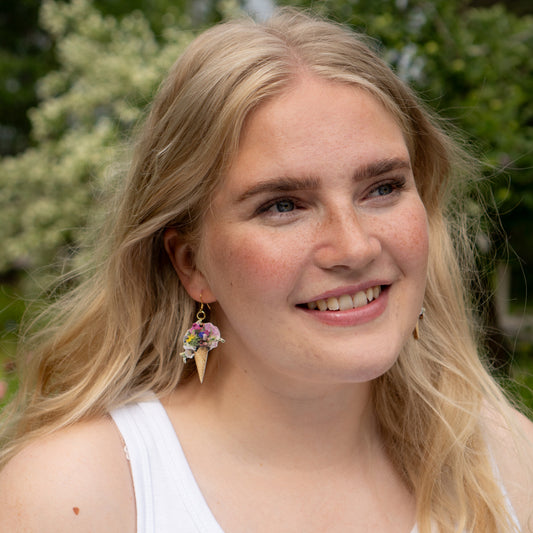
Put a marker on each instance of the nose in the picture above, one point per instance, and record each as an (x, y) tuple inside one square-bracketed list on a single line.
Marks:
[(346, 241)]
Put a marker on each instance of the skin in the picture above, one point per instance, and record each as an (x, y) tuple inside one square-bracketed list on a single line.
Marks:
[(76, 480), (281, 435)]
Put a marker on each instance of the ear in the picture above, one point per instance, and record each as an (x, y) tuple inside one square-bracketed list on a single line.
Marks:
[(182, 256)]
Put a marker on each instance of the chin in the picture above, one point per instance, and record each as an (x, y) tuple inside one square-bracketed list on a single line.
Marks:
[(360, 369)]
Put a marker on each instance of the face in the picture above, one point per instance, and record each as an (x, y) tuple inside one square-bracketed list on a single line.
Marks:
[(315, 247)]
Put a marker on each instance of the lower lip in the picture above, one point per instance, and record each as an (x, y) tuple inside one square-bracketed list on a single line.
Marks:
[(352, 317)]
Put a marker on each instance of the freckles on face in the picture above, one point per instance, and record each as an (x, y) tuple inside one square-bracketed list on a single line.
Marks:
[(249, 258), (246, 254), (409, 230), (320, 203)]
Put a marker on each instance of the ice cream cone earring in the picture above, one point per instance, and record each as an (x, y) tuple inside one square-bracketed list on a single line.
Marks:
[(198, 340), (416, 332)]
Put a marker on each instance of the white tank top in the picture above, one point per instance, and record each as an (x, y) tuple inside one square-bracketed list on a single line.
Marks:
[(168, 499), (167, 496)]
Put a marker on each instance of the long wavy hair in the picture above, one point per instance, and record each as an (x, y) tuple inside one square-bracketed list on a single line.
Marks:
[(117, 335)]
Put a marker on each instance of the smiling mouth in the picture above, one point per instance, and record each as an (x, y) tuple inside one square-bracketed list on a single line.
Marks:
[(346, 301)]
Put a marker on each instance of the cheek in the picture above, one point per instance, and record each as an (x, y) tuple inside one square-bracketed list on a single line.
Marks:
[(408, 237), (415, 235), (248, 260)]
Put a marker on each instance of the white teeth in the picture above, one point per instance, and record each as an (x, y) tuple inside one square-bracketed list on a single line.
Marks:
[(346, 301), (322, 305), (333, 304), (359, 299)]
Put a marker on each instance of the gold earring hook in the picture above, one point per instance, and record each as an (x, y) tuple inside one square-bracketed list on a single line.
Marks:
[(200, 315)]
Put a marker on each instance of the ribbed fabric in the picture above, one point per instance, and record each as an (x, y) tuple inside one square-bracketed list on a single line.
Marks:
[(167, 496)]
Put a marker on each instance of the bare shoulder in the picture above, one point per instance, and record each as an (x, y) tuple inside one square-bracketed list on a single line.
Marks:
[(511, 442), (76, 479)]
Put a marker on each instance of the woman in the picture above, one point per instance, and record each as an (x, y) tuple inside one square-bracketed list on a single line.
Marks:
[(289, 186)]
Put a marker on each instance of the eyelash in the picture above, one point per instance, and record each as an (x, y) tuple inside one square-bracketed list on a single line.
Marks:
[(395, 185)]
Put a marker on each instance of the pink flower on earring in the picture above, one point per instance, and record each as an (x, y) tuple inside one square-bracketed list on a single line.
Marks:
[(200, 334)]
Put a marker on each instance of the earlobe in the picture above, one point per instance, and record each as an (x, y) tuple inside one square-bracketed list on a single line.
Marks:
[(182, 256)]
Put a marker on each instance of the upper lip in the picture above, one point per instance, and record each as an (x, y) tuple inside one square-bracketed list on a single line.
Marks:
[(351, 289)]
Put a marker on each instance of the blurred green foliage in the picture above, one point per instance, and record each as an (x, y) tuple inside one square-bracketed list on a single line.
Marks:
[(25, 56), (27, 52), (108, 69), (12, 308), (520, 382)]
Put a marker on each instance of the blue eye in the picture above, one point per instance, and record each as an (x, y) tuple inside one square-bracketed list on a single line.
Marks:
[(284, 206), (383, 190), (281, 208), (388, 188)]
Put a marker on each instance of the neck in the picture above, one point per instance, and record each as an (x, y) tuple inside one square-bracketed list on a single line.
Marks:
[(302, 426)]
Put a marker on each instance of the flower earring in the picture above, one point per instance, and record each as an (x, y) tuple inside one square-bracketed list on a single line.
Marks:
[(198, 340), (416, 332)]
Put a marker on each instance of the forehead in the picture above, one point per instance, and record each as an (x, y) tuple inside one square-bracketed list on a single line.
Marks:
[(314, 121)]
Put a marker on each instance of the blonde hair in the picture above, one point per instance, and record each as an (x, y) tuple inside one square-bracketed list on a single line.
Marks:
[(118, 335)]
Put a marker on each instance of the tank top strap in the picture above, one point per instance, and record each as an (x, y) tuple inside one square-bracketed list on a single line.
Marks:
[(167, 496)]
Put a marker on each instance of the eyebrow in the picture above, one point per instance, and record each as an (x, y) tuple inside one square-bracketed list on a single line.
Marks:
[(288, 184), (382, 166), (282, 184)]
